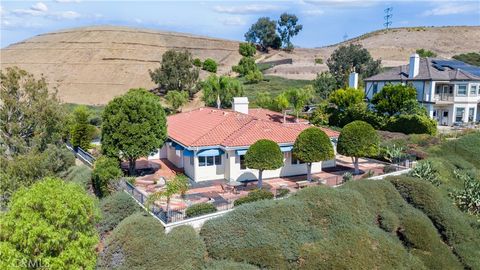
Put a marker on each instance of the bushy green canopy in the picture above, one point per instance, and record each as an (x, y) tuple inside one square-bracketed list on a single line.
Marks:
[(247, 49), (134, 125), (358, 139), (223, 87), (393, 98), (412, 124), (264, 155), (345, 98), (106, 173), (313, 145), (51, 223)]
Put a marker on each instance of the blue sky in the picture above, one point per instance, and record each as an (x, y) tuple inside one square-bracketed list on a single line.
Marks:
[(325, 21)]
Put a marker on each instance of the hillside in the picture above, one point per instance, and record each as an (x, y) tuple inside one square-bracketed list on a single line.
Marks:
[(92, 65), (393, 47)]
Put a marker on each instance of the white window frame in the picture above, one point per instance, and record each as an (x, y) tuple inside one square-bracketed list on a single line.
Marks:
[(458, 90), (473, 87), (205, 163), (456, 113)]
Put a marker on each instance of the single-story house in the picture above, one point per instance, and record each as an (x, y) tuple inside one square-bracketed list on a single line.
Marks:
[(210, 144), (449, 89)]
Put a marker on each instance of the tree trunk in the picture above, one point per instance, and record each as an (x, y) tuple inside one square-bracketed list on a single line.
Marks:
[(259, 183), (296, 119), (355, 164), (284, 116), (309, 172), (168, 209), (131, 166)]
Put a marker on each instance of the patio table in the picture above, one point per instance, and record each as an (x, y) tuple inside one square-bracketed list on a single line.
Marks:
[(234, 185)]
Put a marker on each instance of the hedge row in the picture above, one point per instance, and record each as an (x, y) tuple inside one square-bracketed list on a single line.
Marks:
[(256, 195), (200, 209)]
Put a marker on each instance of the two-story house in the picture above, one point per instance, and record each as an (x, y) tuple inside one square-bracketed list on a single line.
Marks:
[(449, 89)]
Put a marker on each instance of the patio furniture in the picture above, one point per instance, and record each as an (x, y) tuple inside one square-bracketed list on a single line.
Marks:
[(234, 185), (225, 189), (302, 184)]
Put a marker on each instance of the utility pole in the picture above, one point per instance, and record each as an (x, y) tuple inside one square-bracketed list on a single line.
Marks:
[(388, 17)]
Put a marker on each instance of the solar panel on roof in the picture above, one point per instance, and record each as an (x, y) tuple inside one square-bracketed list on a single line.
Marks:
[(437, 66), (455, 64)]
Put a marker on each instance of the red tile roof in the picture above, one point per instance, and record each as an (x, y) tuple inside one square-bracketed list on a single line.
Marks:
[(209, 126)]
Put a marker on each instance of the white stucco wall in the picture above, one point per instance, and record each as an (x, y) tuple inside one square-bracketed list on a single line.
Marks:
[(174, 156)]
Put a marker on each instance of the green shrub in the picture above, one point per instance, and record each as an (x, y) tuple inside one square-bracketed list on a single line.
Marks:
[(253, 196), (200, 209), (254, 76), (282, 192), (318, 61), (452, 224), (105, 175), (139, 242), (425, 53), (348, 176), (472, 58), (247, 49), (425, 170), (210, 65), (80, 174), (114, 209), (245, 65), (197, 62), (468, 198), (408, 124)]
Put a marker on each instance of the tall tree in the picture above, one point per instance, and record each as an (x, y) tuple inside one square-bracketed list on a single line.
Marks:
[(354, 57), (312, 145), (288, 28), (176, 99), (81, 131), (324, 84), (393, 98), (223, 88), (345, 98), (51, 224), (176, 72), (281, 104), (299, 97), (264, 33), (134, 125), (30, 116), (358, 139), (106, 172), (263, 155)]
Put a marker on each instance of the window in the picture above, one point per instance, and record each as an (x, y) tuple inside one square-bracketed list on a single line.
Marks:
[(243, 166), (473, 90), (462, 90), (375, 89), (459, 114), (471, 114), (209, 161), (296, 161)]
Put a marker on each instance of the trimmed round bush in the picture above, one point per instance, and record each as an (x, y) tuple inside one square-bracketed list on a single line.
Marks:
[(200, 209), (210, 65), (114, 209), (253, 196), (412, 124), (264, 155), (139, 242)]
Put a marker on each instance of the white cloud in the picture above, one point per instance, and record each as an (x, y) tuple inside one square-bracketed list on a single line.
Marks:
[(452, 9), (246, 9), (41, 7), (2, 11), (313, 12), (68, 15), (233, 21)]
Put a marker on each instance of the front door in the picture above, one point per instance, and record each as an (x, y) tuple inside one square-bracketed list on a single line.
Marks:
[(444, 119)]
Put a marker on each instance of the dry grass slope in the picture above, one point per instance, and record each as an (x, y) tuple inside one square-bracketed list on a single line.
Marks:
[(94, 64)]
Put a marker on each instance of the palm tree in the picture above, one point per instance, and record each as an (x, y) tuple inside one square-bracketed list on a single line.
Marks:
[(178, 185)]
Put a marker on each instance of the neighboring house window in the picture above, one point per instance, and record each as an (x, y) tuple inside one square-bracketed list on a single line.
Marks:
[(471, 114), (375, 88), (243, 166), (209, 161), (296, 161), (459, 114), (462, 90), (473, 90)]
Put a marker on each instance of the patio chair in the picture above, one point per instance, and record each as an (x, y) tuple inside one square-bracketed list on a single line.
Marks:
[(225, 189)]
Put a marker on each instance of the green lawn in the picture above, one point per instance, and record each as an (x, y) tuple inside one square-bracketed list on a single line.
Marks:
[(272, 84)]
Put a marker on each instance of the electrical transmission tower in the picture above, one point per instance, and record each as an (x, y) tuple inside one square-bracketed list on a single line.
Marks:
[(388, 17)]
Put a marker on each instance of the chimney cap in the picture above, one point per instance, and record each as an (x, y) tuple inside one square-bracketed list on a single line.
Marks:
[(415, 55), (240, 100)]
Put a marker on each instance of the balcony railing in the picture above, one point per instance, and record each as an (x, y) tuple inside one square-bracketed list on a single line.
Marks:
[(443, 97)]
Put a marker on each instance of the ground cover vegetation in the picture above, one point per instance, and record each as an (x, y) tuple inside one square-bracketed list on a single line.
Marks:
[(472, 58)]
